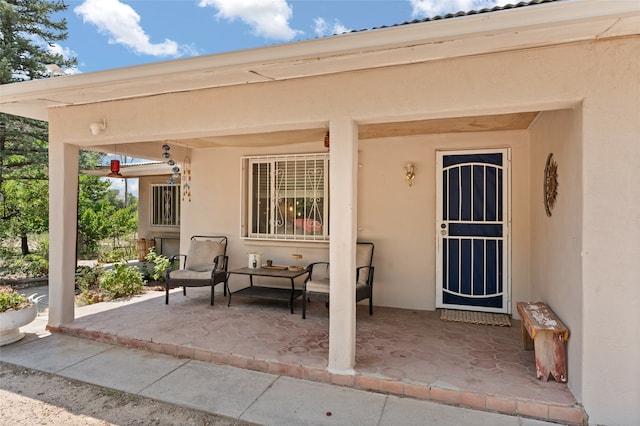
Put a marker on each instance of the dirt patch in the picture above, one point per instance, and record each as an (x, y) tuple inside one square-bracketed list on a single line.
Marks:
[(29, 397)]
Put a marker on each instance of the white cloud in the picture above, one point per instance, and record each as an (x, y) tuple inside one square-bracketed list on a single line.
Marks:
[(122, 24), (431, 8), (66, 53), (338, 28), (268, 18), (321, 28)]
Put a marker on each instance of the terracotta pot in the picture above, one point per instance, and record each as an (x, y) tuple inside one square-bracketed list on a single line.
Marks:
[(11, 321)]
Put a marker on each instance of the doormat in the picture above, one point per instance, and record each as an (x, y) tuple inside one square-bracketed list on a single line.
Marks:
[(469, 317)]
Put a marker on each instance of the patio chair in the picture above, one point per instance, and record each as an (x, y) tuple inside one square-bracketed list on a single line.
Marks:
[(205, 264), (316, 285)]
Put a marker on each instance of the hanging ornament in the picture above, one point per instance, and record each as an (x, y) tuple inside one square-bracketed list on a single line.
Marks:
[(186, 179), (167, 155)]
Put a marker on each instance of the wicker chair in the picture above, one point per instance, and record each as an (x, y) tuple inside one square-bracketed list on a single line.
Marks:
[(204, 265), (316, 285)]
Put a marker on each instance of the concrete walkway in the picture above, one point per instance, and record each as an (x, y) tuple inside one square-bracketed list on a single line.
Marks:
[(241, 394)]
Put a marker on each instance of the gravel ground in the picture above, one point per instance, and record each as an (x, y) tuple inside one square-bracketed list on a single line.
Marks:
[(29, 397)]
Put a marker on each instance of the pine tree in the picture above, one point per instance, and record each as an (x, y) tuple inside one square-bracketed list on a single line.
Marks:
[(28, 37)]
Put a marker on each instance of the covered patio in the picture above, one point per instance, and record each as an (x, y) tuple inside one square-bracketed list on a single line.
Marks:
[(404, 352)]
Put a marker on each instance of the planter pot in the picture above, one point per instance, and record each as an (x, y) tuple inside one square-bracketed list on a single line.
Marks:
[(11, 321)]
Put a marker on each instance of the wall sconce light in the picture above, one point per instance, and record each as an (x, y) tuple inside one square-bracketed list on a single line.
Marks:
[(98, 127), (409, 173), (326, 140)]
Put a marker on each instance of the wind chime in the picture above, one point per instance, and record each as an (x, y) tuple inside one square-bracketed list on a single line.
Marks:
[(170, 161), (186, 173), (186, 179)]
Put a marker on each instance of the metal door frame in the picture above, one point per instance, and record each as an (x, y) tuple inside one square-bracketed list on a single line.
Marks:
[(506, 189)]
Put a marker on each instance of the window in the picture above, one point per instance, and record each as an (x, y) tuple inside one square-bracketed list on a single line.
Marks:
[(165, 205), (286, 197)]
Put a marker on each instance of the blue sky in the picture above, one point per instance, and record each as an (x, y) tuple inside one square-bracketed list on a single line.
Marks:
[(106, 34)]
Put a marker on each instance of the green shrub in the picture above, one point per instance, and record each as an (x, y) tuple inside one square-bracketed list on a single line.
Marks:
[(9, 299), (36, 265), (29, 266), (122, 281), (88, 285), (160, 264), (87, 277)]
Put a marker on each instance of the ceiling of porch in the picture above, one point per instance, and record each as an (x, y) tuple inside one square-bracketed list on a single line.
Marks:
[(484, 123), (480, 123)]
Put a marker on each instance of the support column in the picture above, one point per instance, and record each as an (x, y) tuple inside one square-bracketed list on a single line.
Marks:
[(63, 220), (343, 178)]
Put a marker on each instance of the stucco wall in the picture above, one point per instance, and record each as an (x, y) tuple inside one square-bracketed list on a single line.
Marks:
[(611, 234), (556, 241)]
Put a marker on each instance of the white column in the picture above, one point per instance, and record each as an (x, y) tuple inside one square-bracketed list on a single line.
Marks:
[(343, 178), (63, 213)]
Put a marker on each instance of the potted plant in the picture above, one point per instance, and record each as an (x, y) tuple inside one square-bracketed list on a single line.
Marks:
[(16, 311)]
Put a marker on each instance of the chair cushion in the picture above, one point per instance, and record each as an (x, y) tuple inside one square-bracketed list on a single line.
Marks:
[(362, 287), (318, 286), (201, 254), (185, 274), (363, 258)]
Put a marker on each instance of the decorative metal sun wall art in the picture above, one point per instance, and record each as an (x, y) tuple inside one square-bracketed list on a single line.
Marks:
[(550, 184)]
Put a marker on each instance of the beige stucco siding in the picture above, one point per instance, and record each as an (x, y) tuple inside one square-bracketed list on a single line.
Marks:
[(611, 233), (556, 242)]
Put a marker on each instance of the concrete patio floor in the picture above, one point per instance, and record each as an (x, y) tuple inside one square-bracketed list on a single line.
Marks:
[(398, 351)]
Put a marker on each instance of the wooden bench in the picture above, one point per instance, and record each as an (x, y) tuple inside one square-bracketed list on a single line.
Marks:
[(543, 331)]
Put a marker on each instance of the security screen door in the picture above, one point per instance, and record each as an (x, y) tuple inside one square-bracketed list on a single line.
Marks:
[(472, 228)]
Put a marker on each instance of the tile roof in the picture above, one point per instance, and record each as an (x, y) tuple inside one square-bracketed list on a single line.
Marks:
[(461, 13)]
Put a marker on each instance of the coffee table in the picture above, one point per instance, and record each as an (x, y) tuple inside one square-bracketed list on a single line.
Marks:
[(266, 292)]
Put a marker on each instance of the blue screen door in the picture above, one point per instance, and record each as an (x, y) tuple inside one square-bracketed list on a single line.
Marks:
[(472, 220)]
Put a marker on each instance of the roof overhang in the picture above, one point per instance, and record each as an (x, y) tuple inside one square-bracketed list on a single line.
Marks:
[(503, 30)]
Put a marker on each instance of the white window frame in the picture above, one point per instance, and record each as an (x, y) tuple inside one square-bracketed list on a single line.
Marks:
[(285, 197), (161, 209)]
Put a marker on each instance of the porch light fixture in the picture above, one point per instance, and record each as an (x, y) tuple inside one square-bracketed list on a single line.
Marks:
[(409, 173), (98, 127), (115, 169), (326, 139)]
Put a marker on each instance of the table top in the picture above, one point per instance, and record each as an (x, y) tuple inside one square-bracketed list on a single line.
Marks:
[(265, 272)]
